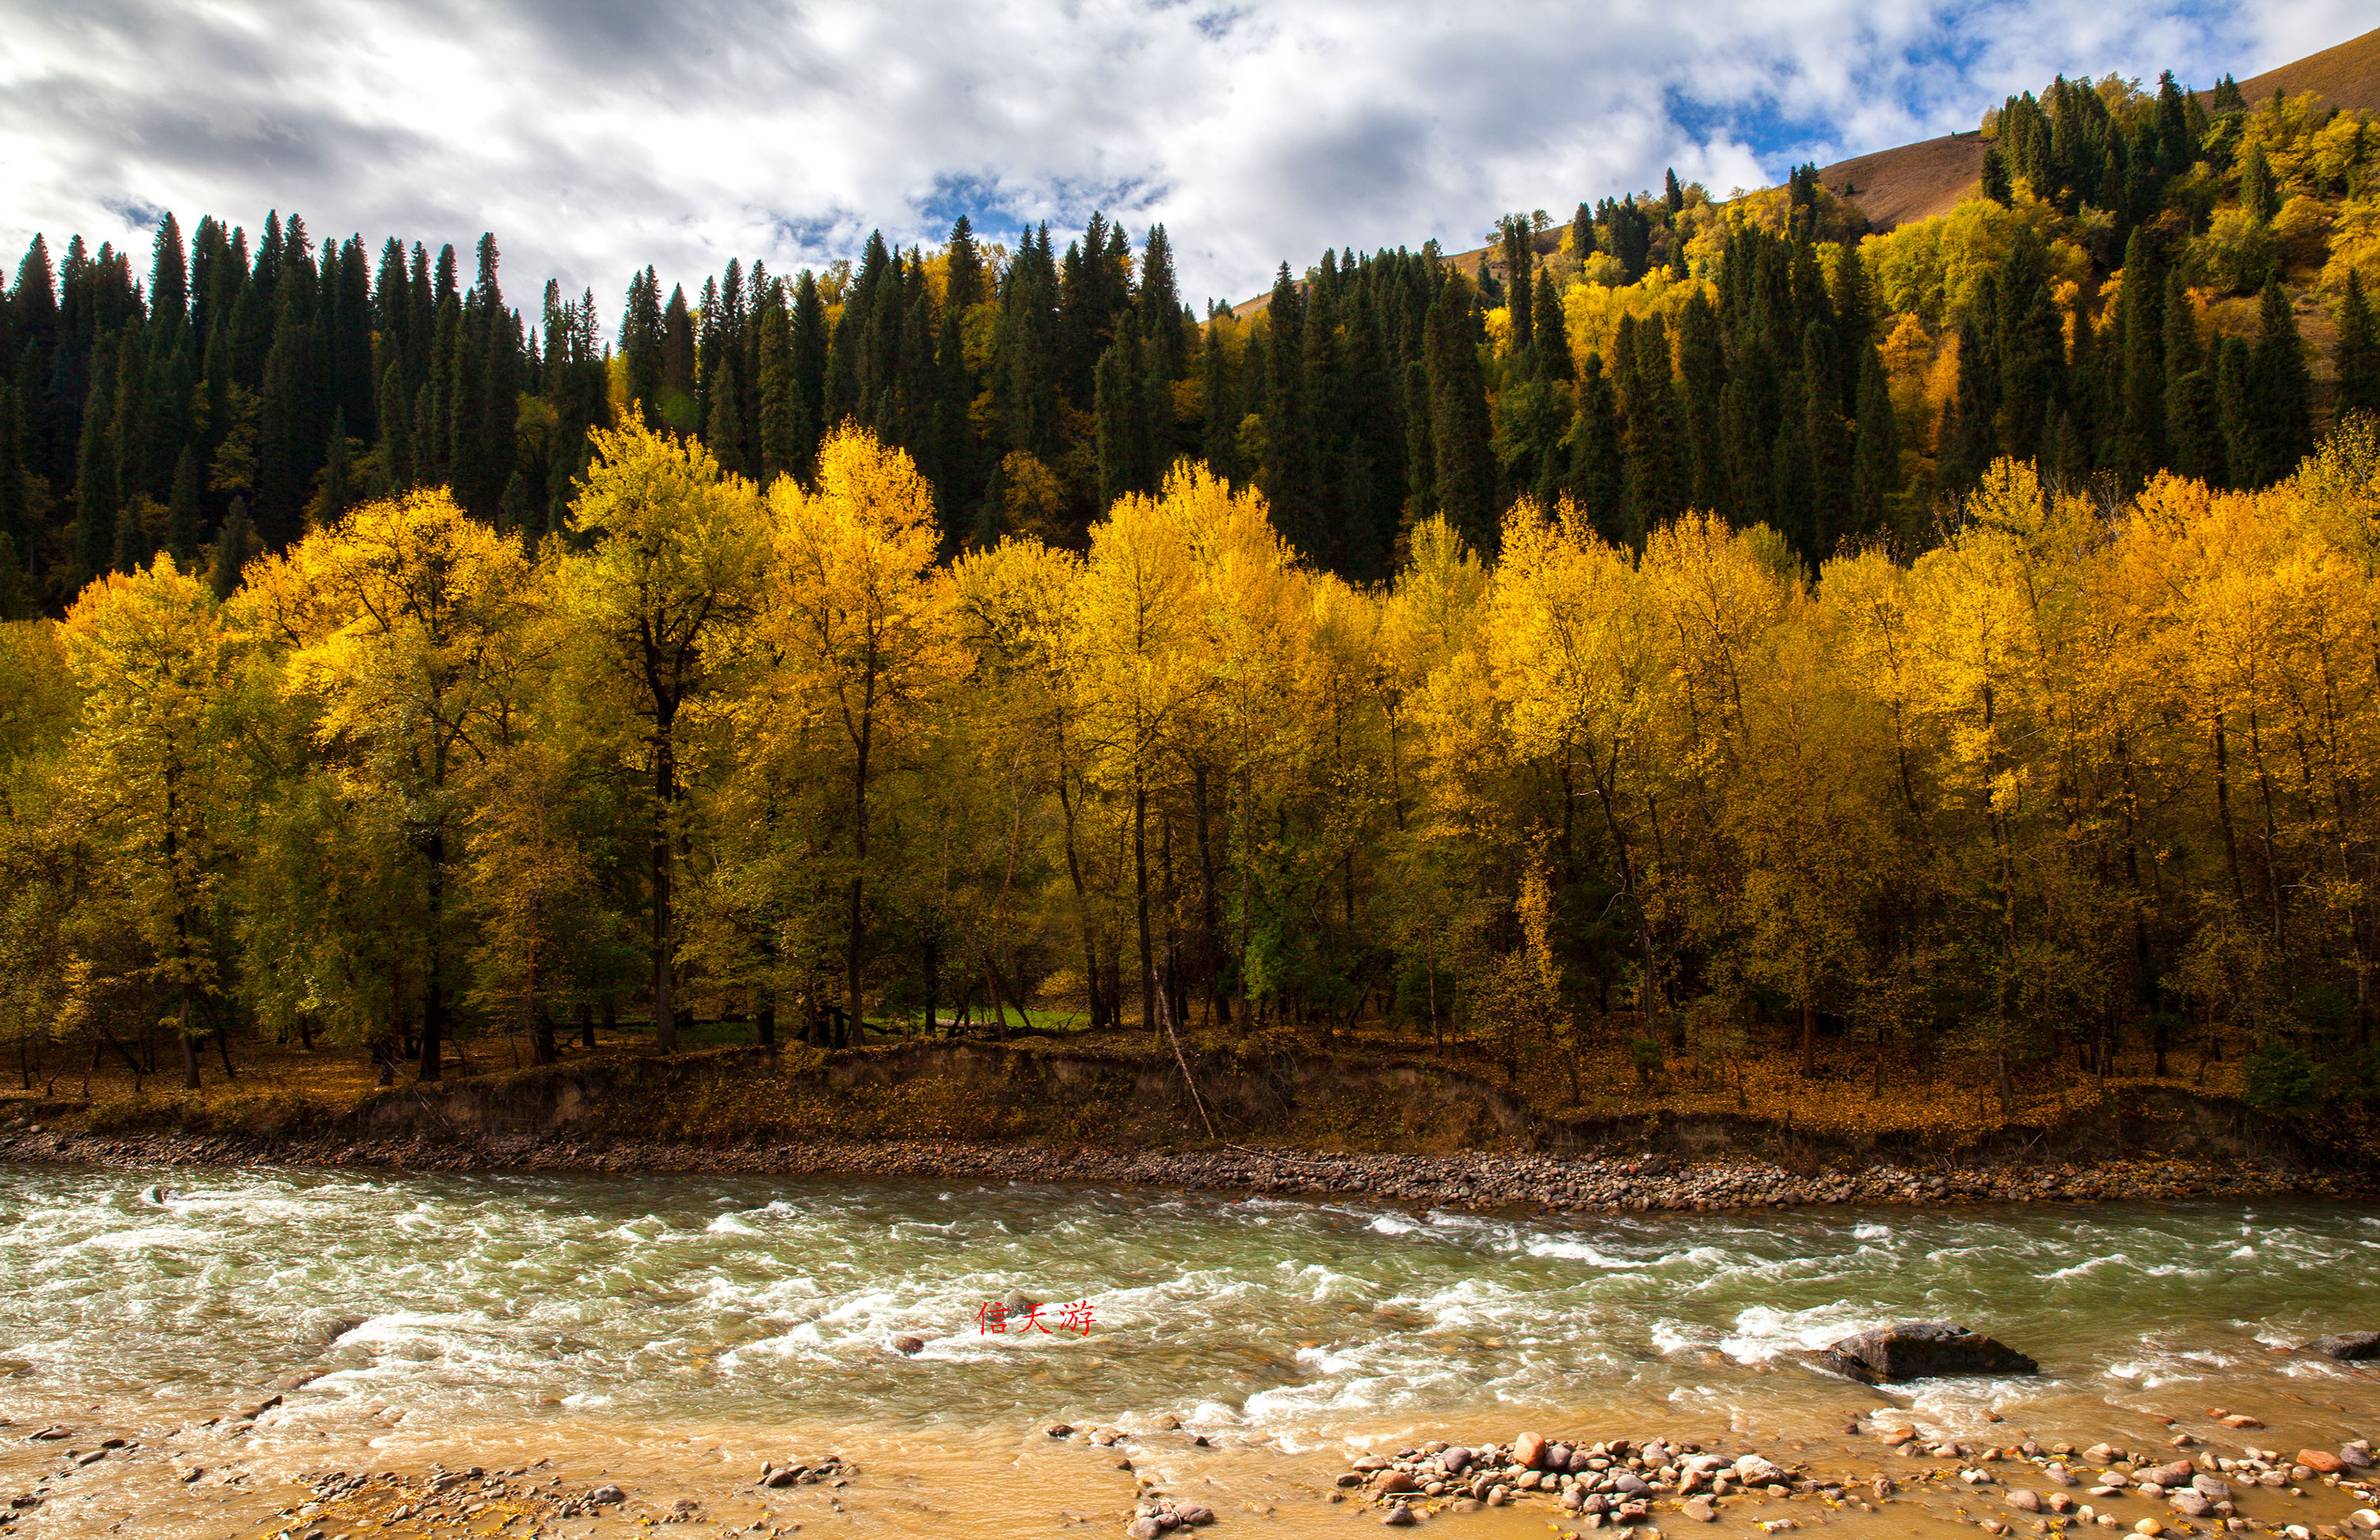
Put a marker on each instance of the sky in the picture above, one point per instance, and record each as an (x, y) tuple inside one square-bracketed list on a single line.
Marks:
[(595, 136)]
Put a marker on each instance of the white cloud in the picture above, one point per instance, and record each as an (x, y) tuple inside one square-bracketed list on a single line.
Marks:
[(594, 138)]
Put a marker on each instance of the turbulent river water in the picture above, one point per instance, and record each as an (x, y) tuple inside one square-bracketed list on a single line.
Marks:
[(643, 1317)]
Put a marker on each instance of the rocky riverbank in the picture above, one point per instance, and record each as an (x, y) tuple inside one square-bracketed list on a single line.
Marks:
[(1479, 1181), (1633, 1482)]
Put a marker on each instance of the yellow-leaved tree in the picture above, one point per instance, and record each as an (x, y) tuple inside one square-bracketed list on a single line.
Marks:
[(150, 651), (408, 623), (660, 604), (859, 623)]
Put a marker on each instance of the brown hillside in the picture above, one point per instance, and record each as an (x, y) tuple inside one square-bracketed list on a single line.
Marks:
[(1910, 181), (2346, 75)]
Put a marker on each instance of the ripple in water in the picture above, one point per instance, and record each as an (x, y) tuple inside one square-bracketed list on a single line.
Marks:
[(649, 1299)]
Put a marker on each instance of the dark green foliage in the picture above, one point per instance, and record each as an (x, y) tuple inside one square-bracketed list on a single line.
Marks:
[(1595, 466), (1876, 450), (1996, 176), (232, 542), (2194, 433), (1967, 443), (2358, 352), (2280, 388), (1458, 427), (2140, 443), (2260, 192)]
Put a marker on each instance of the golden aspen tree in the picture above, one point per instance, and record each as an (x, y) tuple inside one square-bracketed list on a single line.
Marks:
[(675, 572), (1573, 645), (861, 623), (149, 650), (409, 619)]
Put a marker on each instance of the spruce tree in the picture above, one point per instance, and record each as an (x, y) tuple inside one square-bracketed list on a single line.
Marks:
[(2280, 387), (1458, 428), (182, 514), (2235, 412), (1219, 426), (2358, 352), (1551, 333), (95, 492), (1875, 449), (1968, 444), (1421, 447), (1702, 382), (2140, 444), (2260, 195), (2030, 347), (2193, 434), (232, 543), (1828, 442), (1595, 465)]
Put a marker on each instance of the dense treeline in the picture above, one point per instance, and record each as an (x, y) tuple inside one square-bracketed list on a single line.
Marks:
[(1698, 616)]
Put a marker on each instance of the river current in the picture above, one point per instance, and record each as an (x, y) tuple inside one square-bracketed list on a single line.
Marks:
[(616, 1310)]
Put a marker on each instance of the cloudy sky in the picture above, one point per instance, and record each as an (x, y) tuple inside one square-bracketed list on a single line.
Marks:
[(596, 136)]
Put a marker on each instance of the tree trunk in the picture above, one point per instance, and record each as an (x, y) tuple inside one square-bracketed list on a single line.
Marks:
[(933, 983), (764, 1018), (433, 998), (664, 801), (1140, 893), (1099, 1015), (543, 1050), (1210, 930), (864, 740), (190, 1040), (585, 1024)]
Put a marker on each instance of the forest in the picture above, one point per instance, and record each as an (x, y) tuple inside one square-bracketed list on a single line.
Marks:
[(1706, 626)]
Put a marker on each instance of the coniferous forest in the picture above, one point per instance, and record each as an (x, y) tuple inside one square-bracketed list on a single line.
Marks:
[(1699, 631)]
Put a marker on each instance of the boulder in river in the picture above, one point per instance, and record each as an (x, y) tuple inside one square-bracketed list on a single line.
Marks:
[(1454, 1460), (1923, 1349), (2322, 1462), (2347, 1345), (1528, 1452)]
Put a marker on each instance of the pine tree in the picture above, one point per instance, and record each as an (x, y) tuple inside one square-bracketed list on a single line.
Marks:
[(2030, 347), (182, 515), (1459, 429), (1290, 480), (1160, 303), (1875, 449), (2259, 196), (2140, 447), (2235, 411), (1595, 465), (1996, 177), (2280, 388), (1967, 443), (95, 491), (1702, 385), (1552, 333), (2358, 352), (2194, 433), (641, 347), (1830, 445), (1126, 438), (677, 407), (1220, 427), (809, 342), (1653, 444), (232, 543), (1421, 446)]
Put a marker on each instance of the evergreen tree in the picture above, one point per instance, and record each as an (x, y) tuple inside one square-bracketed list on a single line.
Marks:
[(1967, 444), (1458, 428), (231, 544), (1551, 333), (809, 342), (2140, 447), (182, 514), (1652, 446), (1421, 446), (2358, 352), (1128, 439), (1875, 449), (677, 407), (95, 492), (641, 347), (1829, 441), (2280, 388), (1595, 466), (1996, 177), (2031, 346), (1160, 303), (1220, 427), (2193, 431), (1290, 480), (2260, 194), (2235, 412)]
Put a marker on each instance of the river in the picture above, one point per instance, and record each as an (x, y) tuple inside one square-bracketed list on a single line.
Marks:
[(673, 1331)]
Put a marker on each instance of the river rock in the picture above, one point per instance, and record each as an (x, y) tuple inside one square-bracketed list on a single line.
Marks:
[(2322, 1462), (908, 1347), (2024, 1502), (1454, 1460), (1369, 1462), (1529, 1451), (1700, 1510), (601, 1496), (2347, 1345), (2364, 1518), (2189, 1504), (1399, 1517), (1143, 1528), (1397, 1481), (1755, 1471), (2179, 1473), (1923, 1349), (2356, 1456), (1193, 1516), (2212, 1488)]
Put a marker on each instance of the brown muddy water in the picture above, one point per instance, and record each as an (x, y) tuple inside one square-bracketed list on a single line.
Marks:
[(669, 1334)]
